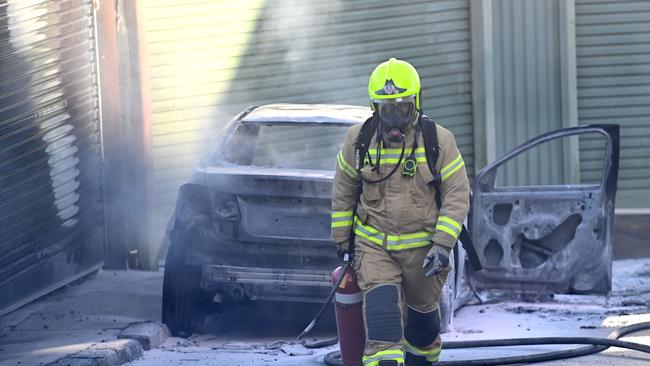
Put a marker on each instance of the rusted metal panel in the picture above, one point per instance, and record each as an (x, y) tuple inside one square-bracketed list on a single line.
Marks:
[(113, 135), (136, 143)]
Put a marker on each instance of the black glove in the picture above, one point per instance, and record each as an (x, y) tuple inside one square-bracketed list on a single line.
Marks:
[(436, 261), (342, 250)]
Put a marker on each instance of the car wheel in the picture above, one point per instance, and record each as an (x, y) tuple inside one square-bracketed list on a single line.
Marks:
[(181, 298)]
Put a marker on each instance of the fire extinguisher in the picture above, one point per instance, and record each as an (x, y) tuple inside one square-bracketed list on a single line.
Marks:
[(348, 304)]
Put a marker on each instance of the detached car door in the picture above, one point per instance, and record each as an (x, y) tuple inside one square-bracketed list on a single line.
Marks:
[(554, 237)]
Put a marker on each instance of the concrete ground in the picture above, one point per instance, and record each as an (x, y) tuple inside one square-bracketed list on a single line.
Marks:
[(92, 311), (96, 309)]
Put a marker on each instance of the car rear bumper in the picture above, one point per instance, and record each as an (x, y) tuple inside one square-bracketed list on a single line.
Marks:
[(267, 283)]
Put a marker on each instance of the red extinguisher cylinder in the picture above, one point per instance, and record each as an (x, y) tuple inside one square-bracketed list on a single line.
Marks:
[(348, 304)]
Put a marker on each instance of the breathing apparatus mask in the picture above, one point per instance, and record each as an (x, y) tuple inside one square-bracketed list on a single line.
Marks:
[(395, 116)]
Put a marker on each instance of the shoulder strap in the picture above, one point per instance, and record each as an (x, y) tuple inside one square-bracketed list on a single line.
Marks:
[(363, 140), (432, 151), (361, 146)]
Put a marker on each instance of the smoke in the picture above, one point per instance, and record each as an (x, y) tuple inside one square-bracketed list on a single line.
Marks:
[(300, 32), (315, 62)]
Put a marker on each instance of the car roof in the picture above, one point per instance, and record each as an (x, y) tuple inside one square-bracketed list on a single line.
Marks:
[(308, 113)]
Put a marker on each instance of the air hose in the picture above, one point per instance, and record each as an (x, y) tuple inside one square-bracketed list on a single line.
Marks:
[(595, 345)]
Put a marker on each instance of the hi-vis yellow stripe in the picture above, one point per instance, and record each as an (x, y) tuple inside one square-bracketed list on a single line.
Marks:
[(393, 242), (431, 355), (392, 155), (452, 167), (342, 219), (385, 161), (448, 225), (347, 168), (395, 151), (391, 354)]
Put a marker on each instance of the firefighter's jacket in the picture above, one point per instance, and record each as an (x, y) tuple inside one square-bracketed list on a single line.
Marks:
[(400, 212)]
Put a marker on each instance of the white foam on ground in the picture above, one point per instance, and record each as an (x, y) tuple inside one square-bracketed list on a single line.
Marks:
[(562, 315)]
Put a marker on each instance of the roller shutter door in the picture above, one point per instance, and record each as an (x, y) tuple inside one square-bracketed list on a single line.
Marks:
[(51, 205), (210, 59), (613, 57), (528, 89)]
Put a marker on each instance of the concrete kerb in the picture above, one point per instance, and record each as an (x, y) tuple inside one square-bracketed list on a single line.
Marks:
[(109, 353), (129, 346), (149, 334)]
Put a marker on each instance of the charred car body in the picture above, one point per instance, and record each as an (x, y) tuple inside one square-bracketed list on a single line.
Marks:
[(253, 220)]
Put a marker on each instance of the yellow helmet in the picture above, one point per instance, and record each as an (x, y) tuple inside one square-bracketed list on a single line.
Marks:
[(394, 79), (394, 90)]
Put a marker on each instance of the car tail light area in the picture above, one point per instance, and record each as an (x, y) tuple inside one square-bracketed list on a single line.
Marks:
[(226, 215), (224, 208), (203, 216)]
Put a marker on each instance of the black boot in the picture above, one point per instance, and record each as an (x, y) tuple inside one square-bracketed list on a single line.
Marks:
[(413, 360)]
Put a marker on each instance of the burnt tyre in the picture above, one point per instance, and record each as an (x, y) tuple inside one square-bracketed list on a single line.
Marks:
[(184, 309)]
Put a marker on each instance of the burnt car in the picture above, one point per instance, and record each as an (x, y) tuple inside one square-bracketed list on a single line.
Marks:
[(252, 222)]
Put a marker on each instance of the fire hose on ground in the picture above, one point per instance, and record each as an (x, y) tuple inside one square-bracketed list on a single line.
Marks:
[(595, 344)]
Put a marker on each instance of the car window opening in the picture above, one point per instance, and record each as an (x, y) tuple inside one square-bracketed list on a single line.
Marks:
[(309, 147)]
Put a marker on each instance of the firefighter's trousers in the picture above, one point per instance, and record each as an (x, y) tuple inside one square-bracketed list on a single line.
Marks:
[(400, 304)]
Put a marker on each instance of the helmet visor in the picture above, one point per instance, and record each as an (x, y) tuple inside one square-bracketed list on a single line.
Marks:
[(396, 112)]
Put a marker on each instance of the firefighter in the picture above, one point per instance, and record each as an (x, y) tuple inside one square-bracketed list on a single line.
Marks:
[(403, 237)]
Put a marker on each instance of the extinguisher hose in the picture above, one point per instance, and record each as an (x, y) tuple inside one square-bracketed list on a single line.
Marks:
[(346, 267), (595, 345)]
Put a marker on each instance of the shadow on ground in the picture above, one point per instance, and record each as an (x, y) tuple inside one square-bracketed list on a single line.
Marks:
[(267, 318)]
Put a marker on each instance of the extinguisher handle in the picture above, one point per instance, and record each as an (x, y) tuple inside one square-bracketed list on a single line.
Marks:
[(348, 257), (349, 254)]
